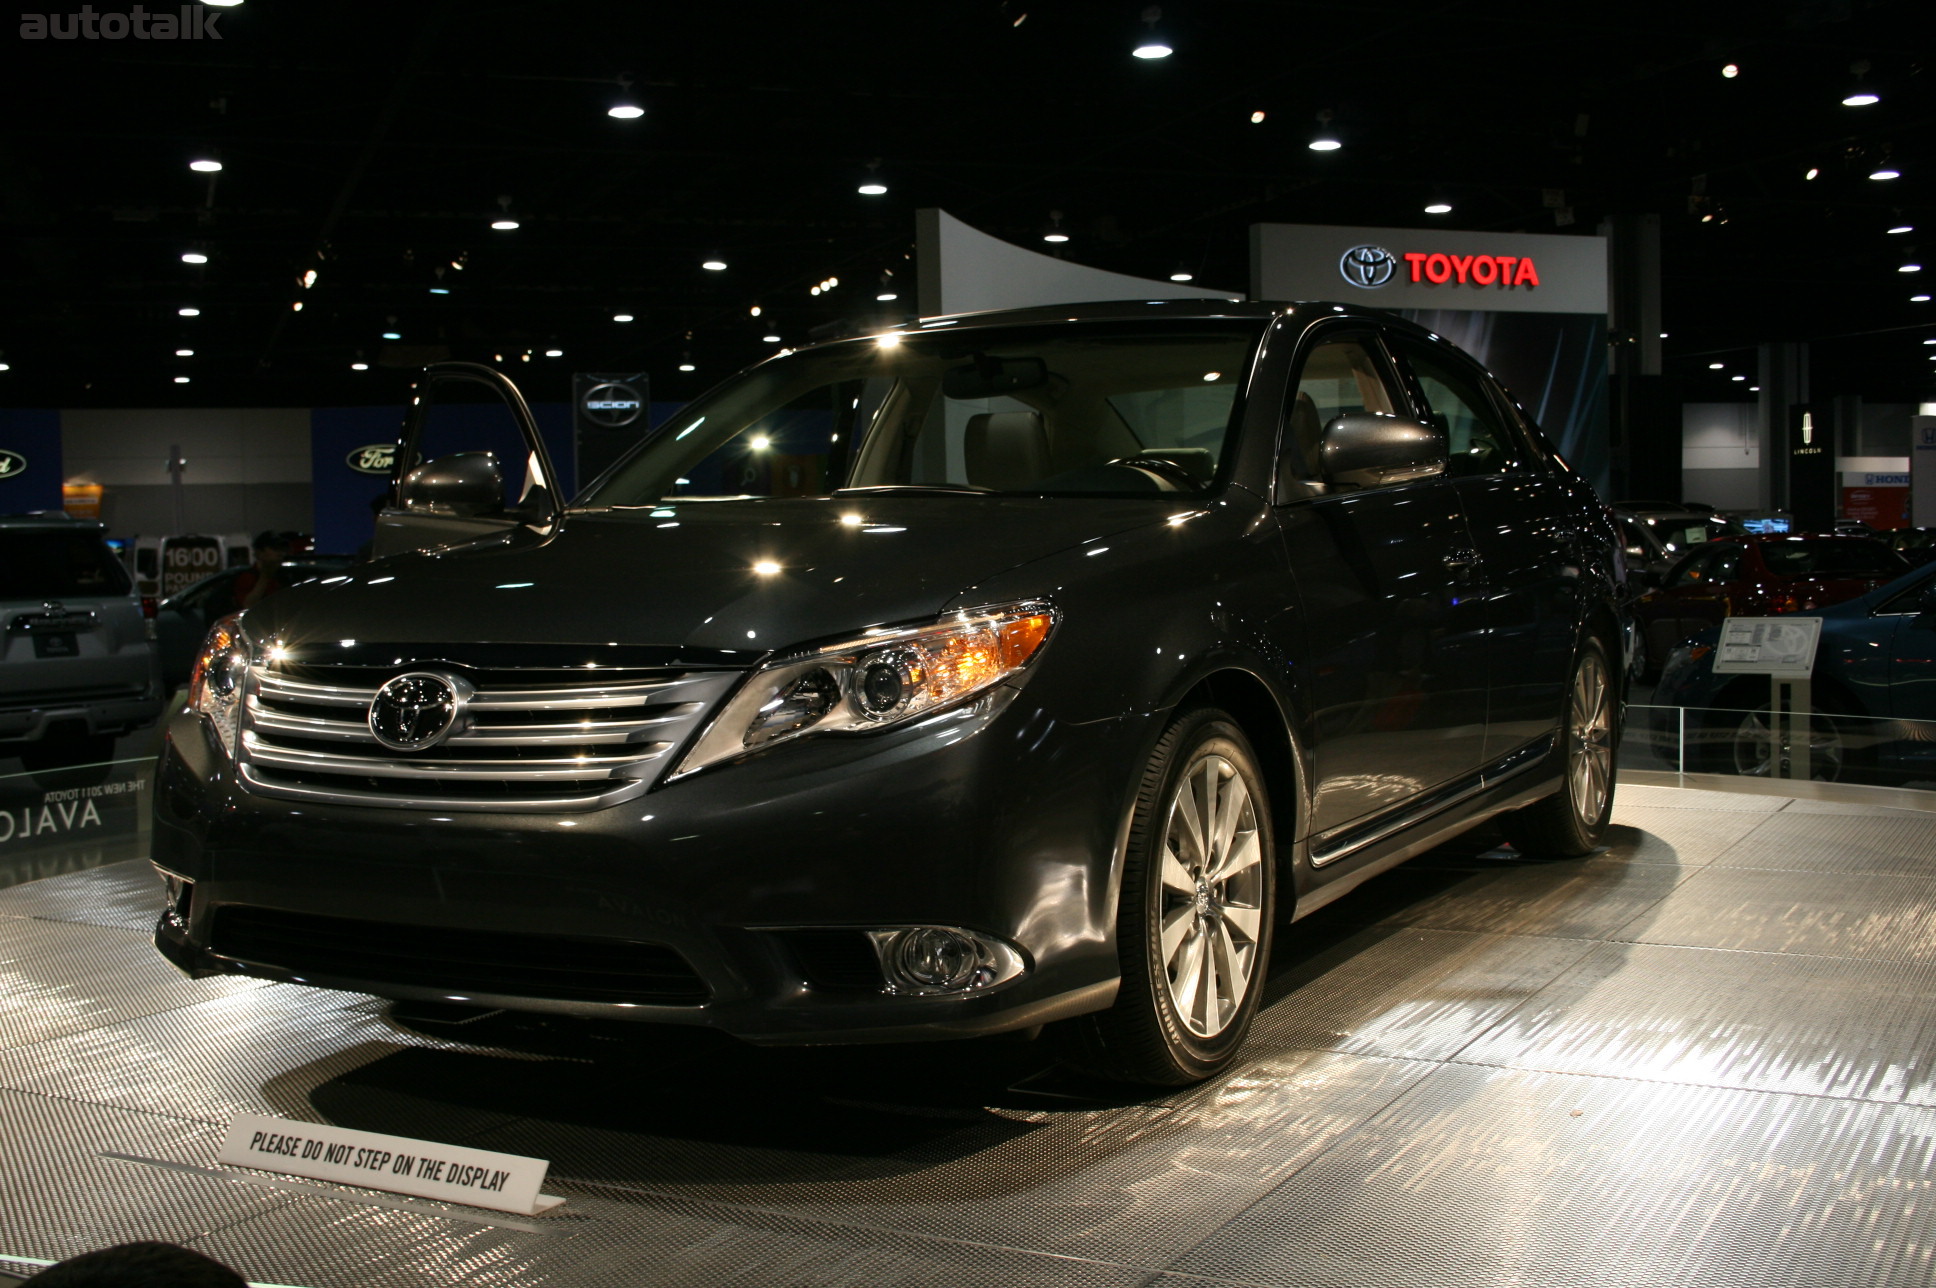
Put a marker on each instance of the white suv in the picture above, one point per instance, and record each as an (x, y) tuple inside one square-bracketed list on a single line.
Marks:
[(77, 661)]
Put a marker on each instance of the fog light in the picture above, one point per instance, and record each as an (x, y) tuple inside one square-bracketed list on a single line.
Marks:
[(943, 959)]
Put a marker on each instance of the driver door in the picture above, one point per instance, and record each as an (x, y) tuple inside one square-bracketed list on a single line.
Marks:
[(470, 462)]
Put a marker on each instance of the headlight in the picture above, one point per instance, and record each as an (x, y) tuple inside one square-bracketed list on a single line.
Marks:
[(216, 687), (880, 679)]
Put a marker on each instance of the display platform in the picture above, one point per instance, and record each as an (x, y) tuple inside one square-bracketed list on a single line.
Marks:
[(1706, 1055)]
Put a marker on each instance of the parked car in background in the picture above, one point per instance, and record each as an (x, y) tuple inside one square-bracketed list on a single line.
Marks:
[(1753, 576), (77, 660), (1653, 539), (181, 621), (1873, 694), (1917, 545), (987, 673)]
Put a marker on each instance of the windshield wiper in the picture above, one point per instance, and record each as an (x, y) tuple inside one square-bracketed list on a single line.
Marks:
[(882, 489)]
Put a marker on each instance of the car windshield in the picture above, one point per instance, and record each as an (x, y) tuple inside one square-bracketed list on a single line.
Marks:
[(1679, 533), (1120, 409), (48, 563), (1831, 559)]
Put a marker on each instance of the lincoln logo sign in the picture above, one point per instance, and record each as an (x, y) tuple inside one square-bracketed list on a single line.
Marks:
[(1373, 266), (11, 463), (377, 458)]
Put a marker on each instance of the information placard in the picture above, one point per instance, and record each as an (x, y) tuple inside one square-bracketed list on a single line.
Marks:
[(423, 1168), (1776, 646)]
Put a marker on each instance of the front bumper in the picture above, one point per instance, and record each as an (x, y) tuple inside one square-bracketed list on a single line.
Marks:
[(995, 818)]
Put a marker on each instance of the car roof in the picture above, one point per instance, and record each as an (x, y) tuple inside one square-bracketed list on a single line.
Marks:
[(51, 519)]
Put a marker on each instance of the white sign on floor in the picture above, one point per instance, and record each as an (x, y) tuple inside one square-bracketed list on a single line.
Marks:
[(423, 1168)]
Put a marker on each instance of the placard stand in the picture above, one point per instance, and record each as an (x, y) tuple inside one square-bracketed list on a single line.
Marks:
[(1788, 731)]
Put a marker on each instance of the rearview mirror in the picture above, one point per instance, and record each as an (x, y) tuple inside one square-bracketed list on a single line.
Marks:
[(1372, 449), (463, 485), (985, 377)]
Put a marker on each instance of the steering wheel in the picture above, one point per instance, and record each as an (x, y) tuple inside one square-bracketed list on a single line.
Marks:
[(1165, 470)]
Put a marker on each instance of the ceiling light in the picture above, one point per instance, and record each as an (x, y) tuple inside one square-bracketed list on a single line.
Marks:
[(393, 335), (1256, 118), (554, 353), (1885, 173), (621, 317), (1731, 70), (1438, 207), (193, 257), (1903, 228), (181, 380), (687, 366), (871, 184), (205, 165), (440, 290), (309, 279), (1911, 267), (6, 366), (714, 266), (1861, 98), (1919, 299), (1326, 139), (296, 307), (1715, 366), (753, 312), (1182, 274), (887, 295), (184, 353), (188, 311), (1813, 172), (1151, 43), (222, 4), (625, 111), (769, 339), (1737, 378), (504, 225), (1663, 335), (359, 366), (1054, 231)]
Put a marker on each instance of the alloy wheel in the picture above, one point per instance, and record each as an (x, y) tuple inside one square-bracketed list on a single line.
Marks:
[(1211, 904), (1589, 732)]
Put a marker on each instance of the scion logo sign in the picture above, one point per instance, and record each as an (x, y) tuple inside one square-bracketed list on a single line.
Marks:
[(1367, 266), (377, 458), (11, 464), (612, 404)]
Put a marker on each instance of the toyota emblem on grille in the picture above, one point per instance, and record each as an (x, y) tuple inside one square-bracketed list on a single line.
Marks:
[(417, 710)]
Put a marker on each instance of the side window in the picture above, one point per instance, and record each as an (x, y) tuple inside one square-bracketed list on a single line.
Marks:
[(1695, 570), (1338, 376), (1726, 565), (1477, 437)]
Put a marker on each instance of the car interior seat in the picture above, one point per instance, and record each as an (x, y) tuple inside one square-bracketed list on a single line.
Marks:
[(1006, 450)]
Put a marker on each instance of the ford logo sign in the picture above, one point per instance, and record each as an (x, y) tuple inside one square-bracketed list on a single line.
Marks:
[(11, 464), (377, 458), (611, 404), (1367, 266)]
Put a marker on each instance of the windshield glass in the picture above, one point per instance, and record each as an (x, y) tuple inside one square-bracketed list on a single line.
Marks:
[(1119, 409), (48, 563), (1831, 558)]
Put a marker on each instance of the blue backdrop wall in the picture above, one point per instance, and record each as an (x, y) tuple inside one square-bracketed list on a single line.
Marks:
[(35, 436)]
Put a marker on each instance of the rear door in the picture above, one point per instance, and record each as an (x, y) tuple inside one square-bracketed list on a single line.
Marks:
[(459, 409)]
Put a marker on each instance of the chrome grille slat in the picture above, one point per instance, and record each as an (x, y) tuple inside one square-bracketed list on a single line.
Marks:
[(307, 737)]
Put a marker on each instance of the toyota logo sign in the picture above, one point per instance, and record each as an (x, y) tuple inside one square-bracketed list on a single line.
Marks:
[(417, 709), (1367, 266), (611, 404)]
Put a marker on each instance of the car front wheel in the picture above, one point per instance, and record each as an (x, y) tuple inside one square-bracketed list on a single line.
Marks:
[(1195, 915)]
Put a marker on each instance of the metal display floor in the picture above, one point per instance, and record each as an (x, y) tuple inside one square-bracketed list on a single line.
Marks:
[(1706, 1055)]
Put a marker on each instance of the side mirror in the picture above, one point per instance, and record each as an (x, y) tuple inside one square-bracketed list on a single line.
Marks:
[(463, 485), (1372, 449)]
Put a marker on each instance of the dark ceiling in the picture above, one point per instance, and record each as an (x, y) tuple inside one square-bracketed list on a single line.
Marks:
[(373, 144)]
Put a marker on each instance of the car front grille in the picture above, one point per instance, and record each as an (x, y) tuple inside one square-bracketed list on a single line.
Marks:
[(460, 961), (541, 739)]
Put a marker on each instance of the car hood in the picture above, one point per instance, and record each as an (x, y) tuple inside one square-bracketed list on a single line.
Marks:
[(730, 578)]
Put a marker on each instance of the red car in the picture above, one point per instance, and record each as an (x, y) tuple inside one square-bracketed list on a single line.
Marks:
[(1756, 576)]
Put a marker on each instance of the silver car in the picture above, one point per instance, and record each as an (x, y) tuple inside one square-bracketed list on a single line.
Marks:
[(77, 655)]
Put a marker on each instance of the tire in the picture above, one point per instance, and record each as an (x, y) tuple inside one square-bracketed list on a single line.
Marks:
[(1748, 750), (1194, 920), (1569, 823)]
